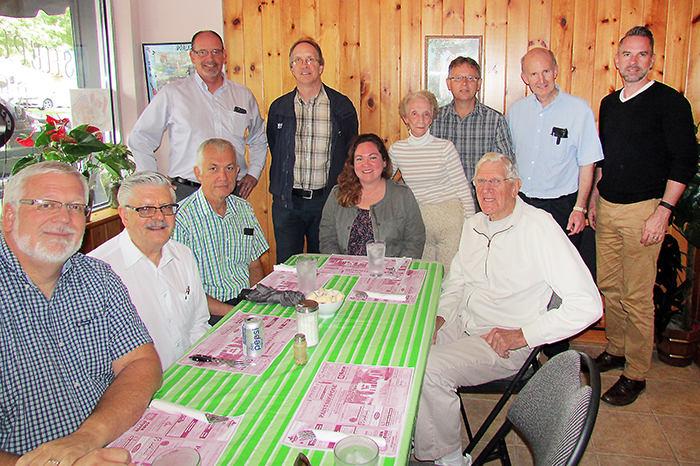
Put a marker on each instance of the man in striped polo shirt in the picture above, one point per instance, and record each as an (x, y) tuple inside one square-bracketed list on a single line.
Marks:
[(221, 229)]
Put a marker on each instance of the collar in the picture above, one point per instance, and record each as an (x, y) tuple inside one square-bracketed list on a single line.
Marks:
[(482, 227), (424, 140), (321, 94), (207, 209), (205, 87), (477, 110), (538, 104), (132, 254), (625, 99), (7, 256)]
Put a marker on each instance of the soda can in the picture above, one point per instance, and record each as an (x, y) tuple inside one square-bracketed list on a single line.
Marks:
[(253, 339)]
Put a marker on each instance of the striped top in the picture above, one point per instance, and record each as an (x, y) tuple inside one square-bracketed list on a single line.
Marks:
[(223, 246), (431, 168), (381, 334)]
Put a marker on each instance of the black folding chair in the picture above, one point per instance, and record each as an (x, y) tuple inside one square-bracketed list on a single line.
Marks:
[(507, 387), (554, 412)]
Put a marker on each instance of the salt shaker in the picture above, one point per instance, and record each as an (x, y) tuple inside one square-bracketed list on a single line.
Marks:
[(300, 356), (307, 321)]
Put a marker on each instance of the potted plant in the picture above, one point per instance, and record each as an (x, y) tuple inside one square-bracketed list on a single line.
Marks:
[(677, 333), (82, 147)]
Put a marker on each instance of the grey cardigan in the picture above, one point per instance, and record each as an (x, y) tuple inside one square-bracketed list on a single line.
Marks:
[(396, 220)]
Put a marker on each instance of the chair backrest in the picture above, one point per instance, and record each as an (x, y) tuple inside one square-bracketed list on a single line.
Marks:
[(555, 413)]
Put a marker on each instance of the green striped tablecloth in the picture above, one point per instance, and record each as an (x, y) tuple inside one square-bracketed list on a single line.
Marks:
[(381, 334)]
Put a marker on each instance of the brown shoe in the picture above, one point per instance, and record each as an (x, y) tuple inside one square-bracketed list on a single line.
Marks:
[(624, 392), (607, 362)]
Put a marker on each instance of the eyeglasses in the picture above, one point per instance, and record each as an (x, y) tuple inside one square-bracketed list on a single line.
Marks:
[(203, 53), (149, 211), (495, 182), (45, 206), (308, 61), (459, 79)]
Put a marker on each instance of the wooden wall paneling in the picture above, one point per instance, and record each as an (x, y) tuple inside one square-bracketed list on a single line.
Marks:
[(677, 44), (390, 66), (233, 40), (349, 38), (518, 36), (656, 18), (562, 37), (432, 18), (290, 32), (692, 90), (540, 23), (453, 17), (370, 84), (583, 50), (475, 17), (412, 57), (308, 18), (607, 35), (494, 66), (328, 38)]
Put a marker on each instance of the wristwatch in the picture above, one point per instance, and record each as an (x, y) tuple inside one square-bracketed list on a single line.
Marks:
[(581, 209)]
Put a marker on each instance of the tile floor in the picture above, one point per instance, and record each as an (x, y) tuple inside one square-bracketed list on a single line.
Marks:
[(661, 428)]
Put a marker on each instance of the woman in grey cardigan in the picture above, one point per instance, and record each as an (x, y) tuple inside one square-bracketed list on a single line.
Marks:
[(368, 206)]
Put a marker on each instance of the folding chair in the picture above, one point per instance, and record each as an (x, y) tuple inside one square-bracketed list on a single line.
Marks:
[(507, 387), (554, 412)]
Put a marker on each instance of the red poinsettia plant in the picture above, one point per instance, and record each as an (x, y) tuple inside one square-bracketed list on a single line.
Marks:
[(83, 147)]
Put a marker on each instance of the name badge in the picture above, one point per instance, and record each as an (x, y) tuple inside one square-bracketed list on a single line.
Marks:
[(248, 231)]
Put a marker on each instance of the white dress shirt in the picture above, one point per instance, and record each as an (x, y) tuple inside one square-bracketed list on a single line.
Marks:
[(169, 297), (192, 114)]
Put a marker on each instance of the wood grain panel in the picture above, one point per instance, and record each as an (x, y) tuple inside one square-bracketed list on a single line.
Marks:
[(374, 49), (390, 54), (493, 66)]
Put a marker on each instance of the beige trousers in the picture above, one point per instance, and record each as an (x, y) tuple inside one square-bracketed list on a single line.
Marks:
[(626, 275), (443, 230), (456, 360)]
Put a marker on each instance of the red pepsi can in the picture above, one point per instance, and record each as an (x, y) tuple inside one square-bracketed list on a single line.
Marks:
[(253, 337)]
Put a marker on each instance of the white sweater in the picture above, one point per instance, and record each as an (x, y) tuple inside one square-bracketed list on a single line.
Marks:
[(431, 168)]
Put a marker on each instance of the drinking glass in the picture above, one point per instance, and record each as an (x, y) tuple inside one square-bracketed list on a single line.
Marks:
[(306, 273), (356, 450), (375, 258)]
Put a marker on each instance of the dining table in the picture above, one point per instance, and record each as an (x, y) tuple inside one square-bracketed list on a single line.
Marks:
[(361, 332)]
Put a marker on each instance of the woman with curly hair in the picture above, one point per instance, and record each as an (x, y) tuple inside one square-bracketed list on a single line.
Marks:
[(368, 206), (431, 168)]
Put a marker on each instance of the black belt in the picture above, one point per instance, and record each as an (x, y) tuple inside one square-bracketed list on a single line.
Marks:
[(308, 193), (186, 182)]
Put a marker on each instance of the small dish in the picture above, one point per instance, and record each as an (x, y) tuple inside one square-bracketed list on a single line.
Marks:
[(334, 299)]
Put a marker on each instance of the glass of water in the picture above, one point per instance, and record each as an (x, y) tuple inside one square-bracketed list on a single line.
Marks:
[(356, 450), (375, 258), (306, 273)]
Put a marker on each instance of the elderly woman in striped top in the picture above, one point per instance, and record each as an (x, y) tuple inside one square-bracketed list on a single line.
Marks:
[(431, 168), (368, 206)]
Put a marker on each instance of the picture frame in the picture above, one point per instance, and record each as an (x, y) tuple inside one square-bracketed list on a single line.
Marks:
[(165, 63), (439, 52)]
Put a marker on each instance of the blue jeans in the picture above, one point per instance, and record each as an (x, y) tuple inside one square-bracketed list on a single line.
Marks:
[(294, 225)]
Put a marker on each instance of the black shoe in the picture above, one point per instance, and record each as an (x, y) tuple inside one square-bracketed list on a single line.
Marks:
[(607, 362), (624, 392)]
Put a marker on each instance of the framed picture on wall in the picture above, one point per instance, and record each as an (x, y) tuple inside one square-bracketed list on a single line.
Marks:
[(165, 63), (439, 52)]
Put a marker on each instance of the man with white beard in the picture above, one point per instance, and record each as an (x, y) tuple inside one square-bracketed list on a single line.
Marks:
[(78, 366)]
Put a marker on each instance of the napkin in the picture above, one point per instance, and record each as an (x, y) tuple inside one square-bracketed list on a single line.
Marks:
[(335, 437), (174, 408)]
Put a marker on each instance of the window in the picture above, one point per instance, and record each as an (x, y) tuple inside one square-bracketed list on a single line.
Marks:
[(44, 54)]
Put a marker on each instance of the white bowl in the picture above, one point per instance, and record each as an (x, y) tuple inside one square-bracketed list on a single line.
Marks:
[(327, 310)]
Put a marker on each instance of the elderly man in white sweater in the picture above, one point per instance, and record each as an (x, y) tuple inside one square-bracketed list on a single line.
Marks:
[(493, 308)]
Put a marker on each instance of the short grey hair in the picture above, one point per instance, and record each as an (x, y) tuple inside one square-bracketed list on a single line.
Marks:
[(219, 144), (15, 186), (459, 61), (425, 95), (312, 43), (494, 157), (638, 31), (142, 178)]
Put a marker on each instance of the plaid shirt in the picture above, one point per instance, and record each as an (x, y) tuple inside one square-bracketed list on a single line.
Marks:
[(56, 355), (223, 246), (313, 141), (483, 130)]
